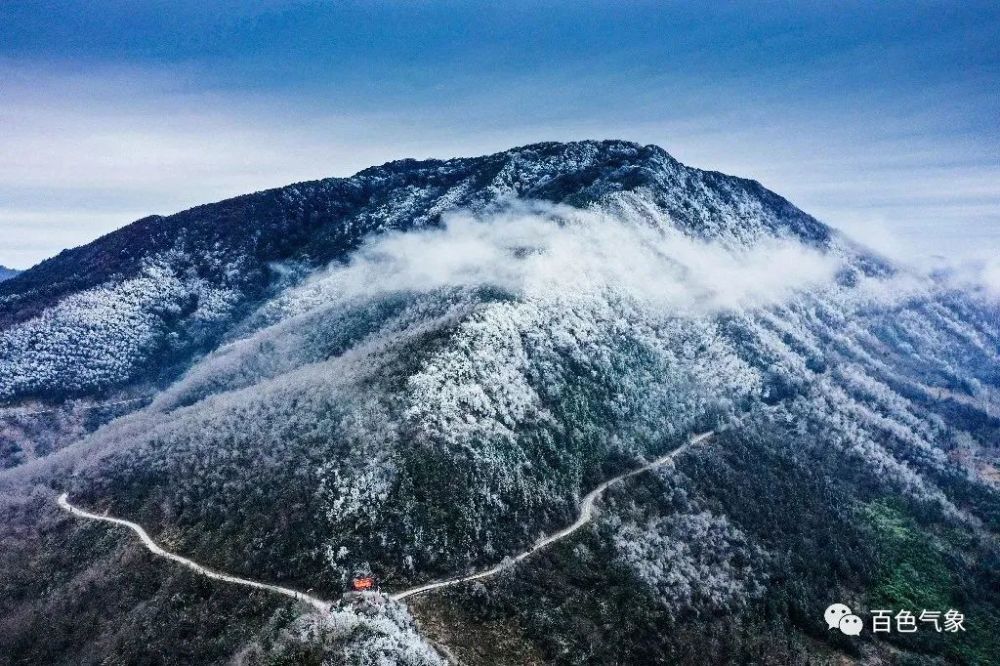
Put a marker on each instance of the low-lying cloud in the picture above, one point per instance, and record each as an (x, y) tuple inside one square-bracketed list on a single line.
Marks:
[(541, 251), (973, 275)]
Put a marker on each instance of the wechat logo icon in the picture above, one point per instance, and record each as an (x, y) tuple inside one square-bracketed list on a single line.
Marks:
[(839, 616)]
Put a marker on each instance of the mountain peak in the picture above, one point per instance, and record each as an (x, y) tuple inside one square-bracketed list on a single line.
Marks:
[(319, 221)]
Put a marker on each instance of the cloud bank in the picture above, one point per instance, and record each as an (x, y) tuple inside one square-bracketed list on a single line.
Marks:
[(546, 252)]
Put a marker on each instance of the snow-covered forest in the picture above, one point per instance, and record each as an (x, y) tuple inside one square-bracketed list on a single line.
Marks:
[(479, 356)]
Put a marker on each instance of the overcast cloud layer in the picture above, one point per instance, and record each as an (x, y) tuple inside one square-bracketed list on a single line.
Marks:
[(881, 120)]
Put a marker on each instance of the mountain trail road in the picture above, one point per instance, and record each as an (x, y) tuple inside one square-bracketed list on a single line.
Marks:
[(155, 548), (586, 516)]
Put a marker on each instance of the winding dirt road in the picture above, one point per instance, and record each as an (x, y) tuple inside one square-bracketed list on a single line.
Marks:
[(155, 548), (586, 516)]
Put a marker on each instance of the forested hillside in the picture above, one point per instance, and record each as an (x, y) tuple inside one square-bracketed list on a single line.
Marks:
[(417, 371)]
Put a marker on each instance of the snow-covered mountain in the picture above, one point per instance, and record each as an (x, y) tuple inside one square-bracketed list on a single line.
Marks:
[(418, 370), (7, 273)]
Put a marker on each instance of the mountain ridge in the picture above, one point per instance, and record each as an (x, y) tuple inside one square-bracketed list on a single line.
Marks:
[(227, 249), (116, 243)]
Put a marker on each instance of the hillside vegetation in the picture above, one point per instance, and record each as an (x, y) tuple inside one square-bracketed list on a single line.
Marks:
[(419, 370)]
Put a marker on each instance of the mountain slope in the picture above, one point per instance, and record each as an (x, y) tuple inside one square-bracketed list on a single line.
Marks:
[(416, 371), (213, 259), (154, 295)]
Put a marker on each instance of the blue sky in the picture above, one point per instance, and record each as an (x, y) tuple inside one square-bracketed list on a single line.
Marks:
[(880, 118)]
